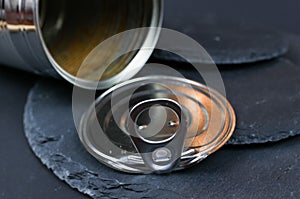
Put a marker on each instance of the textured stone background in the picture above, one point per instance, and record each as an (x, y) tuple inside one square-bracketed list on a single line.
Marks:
[(275, 174), (235, 172)]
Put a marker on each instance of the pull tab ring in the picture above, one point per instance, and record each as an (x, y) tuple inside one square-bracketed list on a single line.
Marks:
[(160, 155)]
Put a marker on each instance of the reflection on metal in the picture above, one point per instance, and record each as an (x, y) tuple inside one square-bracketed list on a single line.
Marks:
[(157, 124), (161, 146)]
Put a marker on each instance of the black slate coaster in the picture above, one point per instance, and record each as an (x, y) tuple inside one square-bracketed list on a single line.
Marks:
[(228, 42), (266, 99), (268, 171)]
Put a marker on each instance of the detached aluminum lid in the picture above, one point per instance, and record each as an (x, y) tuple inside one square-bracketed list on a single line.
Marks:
[(156, 124), (97, 44)]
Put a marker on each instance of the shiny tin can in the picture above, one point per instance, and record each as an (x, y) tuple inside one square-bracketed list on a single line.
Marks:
[(54, 37)]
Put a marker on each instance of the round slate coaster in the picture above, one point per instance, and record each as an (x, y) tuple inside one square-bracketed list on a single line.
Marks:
[(239, 172), (232, 172), (266, 99), (227, 42)]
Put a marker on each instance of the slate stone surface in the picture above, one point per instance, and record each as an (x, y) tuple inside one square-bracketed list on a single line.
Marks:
[(227, 41), (227, 174), (256, 171), (294, 49), (21, 173), (266, 98)]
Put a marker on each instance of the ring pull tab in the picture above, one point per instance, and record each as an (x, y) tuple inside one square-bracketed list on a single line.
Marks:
[(158, 129)]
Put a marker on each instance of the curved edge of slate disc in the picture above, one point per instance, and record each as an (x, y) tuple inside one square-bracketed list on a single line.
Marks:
[(56, 143), (266, 99), (165, 56), (253, 139), (36, 141), (228, 42), (75, 174)]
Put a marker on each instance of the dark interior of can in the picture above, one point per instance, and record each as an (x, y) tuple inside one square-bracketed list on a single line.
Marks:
[(72, 29)]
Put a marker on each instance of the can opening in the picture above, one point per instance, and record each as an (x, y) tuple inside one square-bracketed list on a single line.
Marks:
[(72, 29)]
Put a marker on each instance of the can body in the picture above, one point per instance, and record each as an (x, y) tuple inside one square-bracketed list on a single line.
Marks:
[(53, 37), (20, 45)]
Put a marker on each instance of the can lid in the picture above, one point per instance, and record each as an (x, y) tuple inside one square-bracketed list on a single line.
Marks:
[(156, 124)]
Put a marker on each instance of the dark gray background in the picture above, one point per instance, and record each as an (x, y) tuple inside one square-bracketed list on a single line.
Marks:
[(21, 173)]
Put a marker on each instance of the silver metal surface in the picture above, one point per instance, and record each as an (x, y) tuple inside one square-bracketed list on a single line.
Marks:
[(156, 124), (56, 36), (161, 154)]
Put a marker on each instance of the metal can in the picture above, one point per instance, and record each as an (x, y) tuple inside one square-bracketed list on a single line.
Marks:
[(54, 37)]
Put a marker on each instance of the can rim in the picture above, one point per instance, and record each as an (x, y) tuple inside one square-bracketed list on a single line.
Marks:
[(137, 63), (209, 149)]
